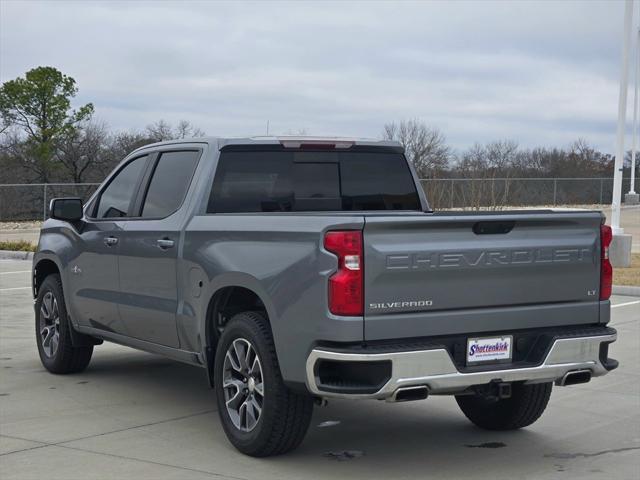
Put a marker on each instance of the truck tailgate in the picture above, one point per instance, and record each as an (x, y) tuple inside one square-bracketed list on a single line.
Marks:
[(427, 275)]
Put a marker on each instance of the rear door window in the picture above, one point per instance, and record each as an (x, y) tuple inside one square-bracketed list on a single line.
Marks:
[(285, 181), (169, 183)]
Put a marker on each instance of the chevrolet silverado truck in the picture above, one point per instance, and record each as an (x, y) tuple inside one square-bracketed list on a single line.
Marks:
[(299, 269)]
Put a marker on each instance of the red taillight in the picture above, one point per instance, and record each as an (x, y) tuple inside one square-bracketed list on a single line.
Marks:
[(606, 270), (345, 286)]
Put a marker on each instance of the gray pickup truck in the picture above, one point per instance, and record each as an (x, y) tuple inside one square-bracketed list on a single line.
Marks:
[(296, 269)]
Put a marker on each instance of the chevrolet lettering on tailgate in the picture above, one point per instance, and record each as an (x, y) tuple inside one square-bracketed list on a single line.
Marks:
[(488, 258)]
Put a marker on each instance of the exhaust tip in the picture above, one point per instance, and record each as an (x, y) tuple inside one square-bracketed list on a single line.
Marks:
[(409, 394), (574, 378)]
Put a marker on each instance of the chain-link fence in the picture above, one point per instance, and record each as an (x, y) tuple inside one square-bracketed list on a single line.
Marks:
[(497, 193), (30, 201)]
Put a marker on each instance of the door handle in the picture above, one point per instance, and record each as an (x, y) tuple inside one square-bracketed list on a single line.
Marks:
[(165, 243), (110, 241)]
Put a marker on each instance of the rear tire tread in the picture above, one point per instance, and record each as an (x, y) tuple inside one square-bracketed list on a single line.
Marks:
[(292, 411), (526, 405)]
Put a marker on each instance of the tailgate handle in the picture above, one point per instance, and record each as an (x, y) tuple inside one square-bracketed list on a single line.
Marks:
[(493, 228)]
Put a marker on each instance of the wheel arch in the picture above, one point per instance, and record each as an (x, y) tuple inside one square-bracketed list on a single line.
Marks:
[(227, 301), (42, 268)]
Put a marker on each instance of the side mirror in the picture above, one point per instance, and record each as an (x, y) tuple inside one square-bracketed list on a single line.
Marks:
[(67, 209)]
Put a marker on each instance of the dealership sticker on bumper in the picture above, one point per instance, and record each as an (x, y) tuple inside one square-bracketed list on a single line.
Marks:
[(489, 349)]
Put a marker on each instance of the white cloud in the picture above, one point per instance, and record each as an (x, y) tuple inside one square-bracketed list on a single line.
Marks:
[(535, 72)]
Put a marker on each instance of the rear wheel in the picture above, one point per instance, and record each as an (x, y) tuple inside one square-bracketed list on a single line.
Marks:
[(259, 414), (53, 336), (525, 406)]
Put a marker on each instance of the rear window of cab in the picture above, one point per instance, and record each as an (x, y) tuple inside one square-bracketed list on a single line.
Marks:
[(311, 181)]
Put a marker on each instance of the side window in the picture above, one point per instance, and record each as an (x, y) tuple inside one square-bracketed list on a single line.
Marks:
[(169, 183), (115, 199), (252, 182)]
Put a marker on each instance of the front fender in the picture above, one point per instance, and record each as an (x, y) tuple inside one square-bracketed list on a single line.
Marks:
[(58, 244)]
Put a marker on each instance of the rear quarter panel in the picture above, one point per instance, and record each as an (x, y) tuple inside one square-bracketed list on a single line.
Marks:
[(281, 258)]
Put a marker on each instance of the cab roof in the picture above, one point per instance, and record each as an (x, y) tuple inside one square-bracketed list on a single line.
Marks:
[(288, 141)]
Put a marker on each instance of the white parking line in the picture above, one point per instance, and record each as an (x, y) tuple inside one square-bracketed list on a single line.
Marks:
[(14, 288), (17, 271), (625, 304)]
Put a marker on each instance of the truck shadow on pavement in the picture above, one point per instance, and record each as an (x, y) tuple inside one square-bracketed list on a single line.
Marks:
[(361, 438)]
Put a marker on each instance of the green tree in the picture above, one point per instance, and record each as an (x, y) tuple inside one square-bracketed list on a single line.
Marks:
[(39, 107)]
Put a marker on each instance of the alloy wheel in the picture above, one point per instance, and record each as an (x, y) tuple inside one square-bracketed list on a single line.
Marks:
[(243, 384), (49, 324)]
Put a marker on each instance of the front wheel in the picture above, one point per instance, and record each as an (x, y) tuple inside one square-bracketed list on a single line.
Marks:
[(53, 336), (525, 406), (259, 414)]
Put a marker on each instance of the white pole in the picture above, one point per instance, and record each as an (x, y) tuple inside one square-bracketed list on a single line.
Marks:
[(622, 113), (634, 132)]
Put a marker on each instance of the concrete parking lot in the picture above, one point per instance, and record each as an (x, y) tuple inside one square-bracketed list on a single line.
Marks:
[(136, 415)]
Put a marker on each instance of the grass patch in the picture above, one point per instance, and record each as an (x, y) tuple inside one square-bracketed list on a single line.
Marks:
[(628, 276), (18, 246)]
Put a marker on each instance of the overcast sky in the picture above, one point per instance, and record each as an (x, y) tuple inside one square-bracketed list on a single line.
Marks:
[(539, 73)]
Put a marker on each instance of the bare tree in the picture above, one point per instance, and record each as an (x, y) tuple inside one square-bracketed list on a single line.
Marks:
[(81, 151), (424, 146), (585, 160), (162, 130), (483, 165), (185, 129), (19, 162), (121, 144), (4, 125)]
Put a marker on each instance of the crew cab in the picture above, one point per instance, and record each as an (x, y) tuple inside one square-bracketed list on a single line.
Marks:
[(299, 269)]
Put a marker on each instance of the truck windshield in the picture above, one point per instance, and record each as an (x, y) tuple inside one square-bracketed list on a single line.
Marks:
[(299, 181)]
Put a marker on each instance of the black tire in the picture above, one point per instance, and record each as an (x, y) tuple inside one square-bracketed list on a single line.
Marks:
[(285, 415), (525, 406), (64, 358)]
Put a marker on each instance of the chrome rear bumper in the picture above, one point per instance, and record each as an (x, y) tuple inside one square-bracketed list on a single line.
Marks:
[(435, 369)]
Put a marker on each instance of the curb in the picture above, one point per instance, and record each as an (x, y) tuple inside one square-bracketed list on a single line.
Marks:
[(14, 255), (629, 290)]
